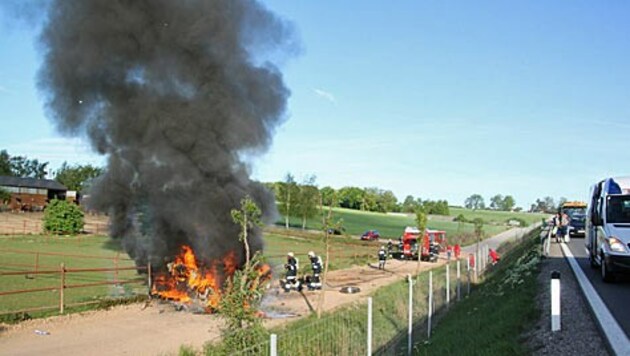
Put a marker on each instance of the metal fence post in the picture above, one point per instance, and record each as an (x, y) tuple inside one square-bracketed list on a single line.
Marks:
[(430, 304), (459, 281), (273, 345), (369, 327), (61, 287), (448, 285), (410, 316)]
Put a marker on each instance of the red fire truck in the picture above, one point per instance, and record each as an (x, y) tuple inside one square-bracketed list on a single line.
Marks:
[(432, 240)]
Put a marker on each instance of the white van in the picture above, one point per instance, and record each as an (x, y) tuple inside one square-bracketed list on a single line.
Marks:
[(608, 227)]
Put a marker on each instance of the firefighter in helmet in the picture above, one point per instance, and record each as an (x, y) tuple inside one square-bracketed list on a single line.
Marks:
[(291, 268), (382, 257), (314, 281)]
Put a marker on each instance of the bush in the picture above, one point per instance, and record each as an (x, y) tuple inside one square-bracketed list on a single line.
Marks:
[(5, 196), (460, 218), (63, 218), (517, 222)]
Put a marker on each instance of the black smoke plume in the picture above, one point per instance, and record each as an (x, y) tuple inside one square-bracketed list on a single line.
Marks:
[(175, 94)]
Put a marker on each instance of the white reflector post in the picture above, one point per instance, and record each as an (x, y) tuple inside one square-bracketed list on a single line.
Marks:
[(555, 301), (273, 345), (369, 327)]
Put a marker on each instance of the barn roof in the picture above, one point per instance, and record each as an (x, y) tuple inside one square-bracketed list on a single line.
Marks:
[(9, 181)]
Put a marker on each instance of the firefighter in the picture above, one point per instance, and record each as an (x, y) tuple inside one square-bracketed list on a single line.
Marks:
[(390, 246), (457, 250), (382, 257), (494, 256), (291, 267), (314, 281)]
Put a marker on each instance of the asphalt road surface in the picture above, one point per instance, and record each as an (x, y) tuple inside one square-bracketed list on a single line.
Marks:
[(615, 295)]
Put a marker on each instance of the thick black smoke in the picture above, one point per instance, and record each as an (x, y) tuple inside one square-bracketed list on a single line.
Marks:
[(173, 93)]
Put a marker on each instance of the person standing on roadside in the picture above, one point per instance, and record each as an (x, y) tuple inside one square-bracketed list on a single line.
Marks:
[(382, 257)]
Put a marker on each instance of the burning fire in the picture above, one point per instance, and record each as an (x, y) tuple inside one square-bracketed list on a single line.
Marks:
[(188, 280)]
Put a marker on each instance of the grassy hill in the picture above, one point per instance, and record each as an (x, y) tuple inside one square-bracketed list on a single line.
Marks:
[(356, 222)]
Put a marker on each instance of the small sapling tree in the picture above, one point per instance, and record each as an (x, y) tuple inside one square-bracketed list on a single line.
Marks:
[(243, 291)]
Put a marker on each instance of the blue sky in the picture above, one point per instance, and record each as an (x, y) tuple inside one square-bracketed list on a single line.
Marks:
[(437, 99)]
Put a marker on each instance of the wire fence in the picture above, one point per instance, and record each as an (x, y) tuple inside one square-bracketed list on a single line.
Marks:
[(394, 318)]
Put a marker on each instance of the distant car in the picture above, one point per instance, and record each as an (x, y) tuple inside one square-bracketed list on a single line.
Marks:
[(370, 235), (339, 231)]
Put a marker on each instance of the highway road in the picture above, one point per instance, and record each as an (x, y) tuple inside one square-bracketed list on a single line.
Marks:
[(616, 296)]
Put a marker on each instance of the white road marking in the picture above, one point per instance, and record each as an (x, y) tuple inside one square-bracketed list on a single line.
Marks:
[(617, 339)]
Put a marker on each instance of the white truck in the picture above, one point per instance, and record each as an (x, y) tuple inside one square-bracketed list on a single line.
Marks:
[(608, 227)]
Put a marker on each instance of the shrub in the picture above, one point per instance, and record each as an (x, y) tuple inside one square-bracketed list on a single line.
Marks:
[(460, 218), (517, 222), (5, 196), (63, 218)]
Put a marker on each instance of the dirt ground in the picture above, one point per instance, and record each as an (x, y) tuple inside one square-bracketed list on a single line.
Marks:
[(158, 329)]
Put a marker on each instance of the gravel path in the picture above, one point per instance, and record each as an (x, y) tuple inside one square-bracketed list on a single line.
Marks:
[(580, 334)]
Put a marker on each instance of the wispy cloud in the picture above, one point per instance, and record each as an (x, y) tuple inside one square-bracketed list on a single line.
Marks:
[(325, 95)]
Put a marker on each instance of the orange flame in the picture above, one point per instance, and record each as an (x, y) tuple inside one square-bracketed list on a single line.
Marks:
[(187, 280)]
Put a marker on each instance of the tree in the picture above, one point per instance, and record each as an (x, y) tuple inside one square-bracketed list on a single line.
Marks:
[(351, 197), (78, 176), (307, 200), (328, 225), (287, 197), (5, 196), (508, 203), (248, 217), (24, 167), (243, 291), (63, 218), (5, 164), (496, 202), (328, 193), (545, 205), (474, 202), (20, 166), (409, 205), (386, 201), (438, 207), (421, 223)]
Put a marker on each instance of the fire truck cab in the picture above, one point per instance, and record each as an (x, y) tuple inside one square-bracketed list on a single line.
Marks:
[(429, 245)]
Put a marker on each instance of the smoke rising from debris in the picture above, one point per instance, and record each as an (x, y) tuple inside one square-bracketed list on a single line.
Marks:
[(174, 93)]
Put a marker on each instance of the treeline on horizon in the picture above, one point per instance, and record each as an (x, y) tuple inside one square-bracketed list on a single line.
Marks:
[(74, 177)]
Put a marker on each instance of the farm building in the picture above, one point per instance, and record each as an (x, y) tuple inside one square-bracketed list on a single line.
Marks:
[(31, 194)]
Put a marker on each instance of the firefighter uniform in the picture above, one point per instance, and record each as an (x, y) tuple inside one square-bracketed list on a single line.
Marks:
[(316, 266), (291, 268), (382, 257)]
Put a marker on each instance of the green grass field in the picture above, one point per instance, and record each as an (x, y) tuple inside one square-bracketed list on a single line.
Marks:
[(356, 222), (103, 253), (497, 217)]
